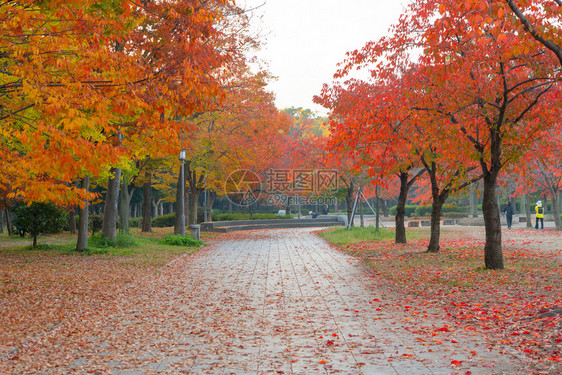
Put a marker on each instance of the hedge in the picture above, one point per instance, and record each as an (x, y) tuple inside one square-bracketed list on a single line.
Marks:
[(446, 211), (424, 211), (175, 240), (168, 220), (241, 216), (134, 222), (410, 208)]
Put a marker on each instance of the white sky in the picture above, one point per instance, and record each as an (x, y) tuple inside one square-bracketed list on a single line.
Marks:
[(305, 39)]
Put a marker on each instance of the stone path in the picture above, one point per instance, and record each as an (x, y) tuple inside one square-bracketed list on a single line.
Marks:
[(272, 302)]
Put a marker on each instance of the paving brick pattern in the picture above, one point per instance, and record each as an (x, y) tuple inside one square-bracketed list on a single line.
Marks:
[(272, 302)]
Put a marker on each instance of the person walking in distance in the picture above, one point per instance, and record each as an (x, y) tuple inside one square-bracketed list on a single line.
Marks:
[(508, 211), (539, 212)]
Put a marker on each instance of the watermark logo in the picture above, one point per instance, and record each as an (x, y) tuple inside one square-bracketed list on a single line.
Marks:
[(282, 187), (301, 181), (243, 187), (282, 200)]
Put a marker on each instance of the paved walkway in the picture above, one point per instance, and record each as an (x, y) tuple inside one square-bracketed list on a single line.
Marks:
[(278, 301)]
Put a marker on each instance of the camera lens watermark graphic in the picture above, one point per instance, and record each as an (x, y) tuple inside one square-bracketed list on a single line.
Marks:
[(243, 187)]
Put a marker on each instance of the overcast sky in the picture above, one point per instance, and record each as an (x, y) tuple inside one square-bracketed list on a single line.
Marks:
[(305, 39)]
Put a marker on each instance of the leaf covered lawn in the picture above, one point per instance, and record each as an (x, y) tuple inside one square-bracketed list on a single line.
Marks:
[(40, 289)]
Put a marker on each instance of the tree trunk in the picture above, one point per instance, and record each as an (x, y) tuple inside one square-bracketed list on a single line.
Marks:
[(125, 205), (435, 236), (349, 201), (377, 209), (473, 201), (384, 208), (493, 257), (361, 211), (8, 223), (156, 204), (72, 220), (82, 242), (210, 204), (146, 215), (186, 205), (205, 205), (439, 198), (1, 221), (109, 226), (528, 210), (400, 236), (193, 203), (555, 211)]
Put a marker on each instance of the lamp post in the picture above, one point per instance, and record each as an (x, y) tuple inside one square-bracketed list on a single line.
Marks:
[(182, 193)]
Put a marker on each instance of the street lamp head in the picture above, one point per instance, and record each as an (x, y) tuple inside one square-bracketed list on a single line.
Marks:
[(182, 155)]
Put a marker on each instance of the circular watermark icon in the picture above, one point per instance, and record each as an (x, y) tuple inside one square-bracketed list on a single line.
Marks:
[(242, 187)]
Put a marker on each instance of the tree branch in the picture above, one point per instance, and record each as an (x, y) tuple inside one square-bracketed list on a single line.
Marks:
[(534, 33)]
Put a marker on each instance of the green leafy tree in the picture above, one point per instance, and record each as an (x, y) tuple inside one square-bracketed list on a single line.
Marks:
[(39, 218)]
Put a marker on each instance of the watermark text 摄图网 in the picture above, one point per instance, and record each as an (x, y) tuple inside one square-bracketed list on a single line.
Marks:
[(283, 187), (301, 181)]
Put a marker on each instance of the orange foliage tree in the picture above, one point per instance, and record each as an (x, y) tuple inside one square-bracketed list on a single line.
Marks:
[(243, 132), (538, 19), (478, 93), (367, 124), (79, 75), (298, 174), (540, 170)]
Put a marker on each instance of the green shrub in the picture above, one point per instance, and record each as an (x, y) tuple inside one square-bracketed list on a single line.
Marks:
[(455, 208), (422, 211), (201, 215), (95, 223), (39, 218), (163, 221), (97, 240), (122, 240), (241, 216), (409, 209), (176, 240), (169, 220), (134, 222), (446, 211)]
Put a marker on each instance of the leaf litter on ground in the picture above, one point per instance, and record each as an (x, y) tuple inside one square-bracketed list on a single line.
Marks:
[(519, 307)]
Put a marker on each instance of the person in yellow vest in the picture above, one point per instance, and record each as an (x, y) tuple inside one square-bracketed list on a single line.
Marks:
[(539, 212)]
